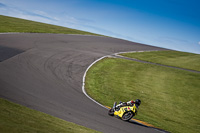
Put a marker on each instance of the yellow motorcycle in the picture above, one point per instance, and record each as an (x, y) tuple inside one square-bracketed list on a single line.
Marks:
[(126, 112)]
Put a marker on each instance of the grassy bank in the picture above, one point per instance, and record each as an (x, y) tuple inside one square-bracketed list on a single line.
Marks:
[(171, 58), (170, 97), (10, 24), (19, 119)]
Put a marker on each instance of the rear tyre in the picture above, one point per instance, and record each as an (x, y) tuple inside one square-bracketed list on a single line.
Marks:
[(127, 116), (111, 112)]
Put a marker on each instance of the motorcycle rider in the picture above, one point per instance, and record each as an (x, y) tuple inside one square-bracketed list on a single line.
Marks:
[(137, 103)]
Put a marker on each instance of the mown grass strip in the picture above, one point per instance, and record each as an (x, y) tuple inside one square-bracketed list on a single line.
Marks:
[(170, 97), (15, 118), (11, 24), (171, 58)]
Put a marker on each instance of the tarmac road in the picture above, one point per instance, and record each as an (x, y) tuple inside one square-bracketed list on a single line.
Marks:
[(45, 71)]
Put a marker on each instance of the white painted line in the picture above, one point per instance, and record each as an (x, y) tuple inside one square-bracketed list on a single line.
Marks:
[(116, 54), (49, 33), (110, 56), (134, 52), (83, 86), (11, 32)]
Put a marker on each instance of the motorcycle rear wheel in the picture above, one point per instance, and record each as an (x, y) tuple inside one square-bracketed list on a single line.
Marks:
[(127, 116)]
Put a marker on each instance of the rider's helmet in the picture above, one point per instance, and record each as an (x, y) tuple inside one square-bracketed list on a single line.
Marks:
[(138, 102)]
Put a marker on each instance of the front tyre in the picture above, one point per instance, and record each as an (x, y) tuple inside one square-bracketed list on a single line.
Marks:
[(127, 116), (111, 112)]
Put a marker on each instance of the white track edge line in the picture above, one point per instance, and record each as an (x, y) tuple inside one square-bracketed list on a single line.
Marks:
[(7, 33), (83, 86)]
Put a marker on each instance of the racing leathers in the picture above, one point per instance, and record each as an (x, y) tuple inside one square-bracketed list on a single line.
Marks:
[(121, 104)]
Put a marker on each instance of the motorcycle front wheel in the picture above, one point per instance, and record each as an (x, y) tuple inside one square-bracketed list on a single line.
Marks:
[(127, 116), (111, 112)]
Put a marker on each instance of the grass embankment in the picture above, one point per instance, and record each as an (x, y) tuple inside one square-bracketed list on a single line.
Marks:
[(19, 119), (10, 24), (171, 58), (170, 97)]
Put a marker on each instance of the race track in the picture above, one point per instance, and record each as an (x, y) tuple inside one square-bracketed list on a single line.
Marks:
[(45, 72)]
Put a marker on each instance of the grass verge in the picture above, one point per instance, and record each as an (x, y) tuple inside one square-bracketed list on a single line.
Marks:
[(11, 24), (171, 58), (170, 97), (19, 119)]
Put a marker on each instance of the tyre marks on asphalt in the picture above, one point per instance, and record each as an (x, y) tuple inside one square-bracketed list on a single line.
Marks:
[(48, 76)]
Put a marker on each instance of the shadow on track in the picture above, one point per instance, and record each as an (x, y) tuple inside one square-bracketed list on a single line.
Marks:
[(6, 52)]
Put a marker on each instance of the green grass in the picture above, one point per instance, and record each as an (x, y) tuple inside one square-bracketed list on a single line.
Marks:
[(19, 119), (170, 97), (171, 58), (10, 24)]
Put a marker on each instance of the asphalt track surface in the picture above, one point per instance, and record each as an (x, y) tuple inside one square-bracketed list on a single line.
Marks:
[(45, 72)]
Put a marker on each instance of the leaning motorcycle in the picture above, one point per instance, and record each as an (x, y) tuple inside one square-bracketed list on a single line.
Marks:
[(125, 112)]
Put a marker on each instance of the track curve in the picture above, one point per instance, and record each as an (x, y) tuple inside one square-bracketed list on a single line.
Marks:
[(47, 76)]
